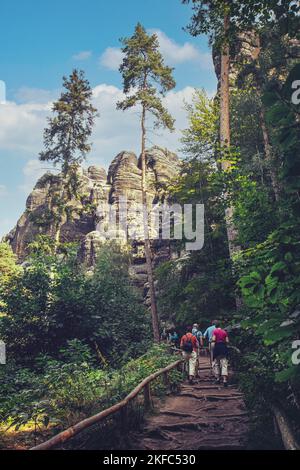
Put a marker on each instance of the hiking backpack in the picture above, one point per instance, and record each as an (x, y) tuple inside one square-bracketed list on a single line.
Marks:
[(188, 345)]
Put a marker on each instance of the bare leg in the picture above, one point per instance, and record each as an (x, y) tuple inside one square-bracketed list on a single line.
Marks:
[(224, 370)]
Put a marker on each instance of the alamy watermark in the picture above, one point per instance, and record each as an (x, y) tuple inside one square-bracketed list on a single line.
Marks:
[(296, 93), (2, 352), (296, 353), (128, 220)]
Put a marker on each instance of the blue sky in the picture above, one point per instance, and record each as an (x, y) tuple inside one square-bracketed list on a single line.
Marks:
[(43, 40)]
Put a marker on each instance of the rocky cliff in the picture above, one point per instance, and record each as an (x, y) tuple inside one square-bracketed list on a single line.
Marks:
[(77, 219)]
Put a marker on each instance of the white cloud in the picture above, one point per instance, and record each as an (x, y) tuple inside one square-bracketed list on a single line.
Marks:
[(32, 171), (21, 129), (175, 53), (111, 58), (6, 225), (21, 126), (2, 92), (82, 55), (35, 95), (117, 130)]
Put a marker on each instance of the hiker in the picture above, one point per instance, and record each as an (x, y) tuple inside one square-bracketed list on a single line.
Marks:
[(173, 337), (220, 354), (209, 334), (164, 334), (196, 332), (195, 329), (190, 348)]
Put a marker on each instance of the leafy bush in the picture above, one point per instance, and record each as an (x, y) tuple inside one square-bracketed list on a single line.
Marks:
[(70, 389), (54, 300)]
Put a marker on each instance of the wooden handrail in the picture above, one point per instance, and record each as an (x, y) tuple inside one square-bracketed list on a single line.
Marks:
[(86, 423)]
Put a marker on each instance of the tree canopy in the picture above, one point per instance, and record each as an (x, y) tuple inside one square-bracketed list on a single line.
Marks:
[(66, 137), (145, 76)]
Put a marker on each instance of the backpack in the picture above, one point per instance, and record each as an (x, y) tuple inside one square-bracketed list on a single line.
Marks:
[(188, 345)]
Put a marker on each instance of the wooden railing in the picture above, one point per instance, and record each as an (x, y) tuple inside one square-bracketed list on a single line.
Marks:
[(144, 386)]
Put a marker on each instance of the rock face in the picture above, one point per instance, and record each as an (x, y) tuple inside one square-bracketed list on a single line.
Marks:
[(246, 50), (50, 212)]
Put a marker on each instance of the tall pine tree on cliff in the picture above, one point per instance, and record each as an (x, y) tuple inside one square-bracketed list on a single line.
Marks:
[(66, 140), (145, 79), (66, 137)]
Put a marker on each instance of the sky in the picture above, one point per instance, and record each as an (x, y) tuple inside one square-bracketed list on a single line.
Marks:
[(41, 41)]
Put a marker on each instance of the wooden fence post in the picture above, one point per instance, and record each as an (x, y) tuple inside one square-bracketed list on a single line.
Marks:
[(166, 379), (147, 397)]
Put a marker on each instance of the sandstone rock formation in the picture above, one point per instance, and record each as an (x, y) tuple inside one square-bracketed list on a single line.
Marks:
[(49, 212), (246, 50)]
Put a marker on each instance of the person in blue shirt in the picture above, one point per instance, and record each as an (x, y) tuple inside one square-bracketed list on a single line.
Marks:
[(208, 334), (173, 337), (196, 332)]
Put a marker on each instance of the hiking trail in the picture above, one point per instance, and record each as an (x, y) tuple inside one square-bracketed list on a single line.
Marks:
[(202, 416)]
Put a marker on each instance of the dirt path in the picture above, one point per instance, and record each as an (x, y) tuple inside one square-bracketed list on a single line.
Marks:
[(202, 416)]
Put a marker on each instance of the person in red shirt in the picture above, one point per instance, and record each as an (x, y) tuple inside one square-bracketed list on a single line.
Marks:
[(220, 341), (190, 350)]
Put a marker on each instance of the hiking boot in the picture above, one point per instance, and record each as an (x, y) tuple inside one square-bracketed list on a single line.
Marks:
[(225, 384)]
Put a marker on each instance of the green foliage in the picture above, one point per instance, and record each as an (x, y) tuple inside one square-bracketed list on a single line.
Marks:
[(118, 320), (246, 15), (271, 284), (63, 390), (201, 137), (54, 301), (283, 119), (66, 143), (73, 336), (270, 277), (255, 213), (8, 262), (8, 271), (246, 135), (199, 287), (263, 188)]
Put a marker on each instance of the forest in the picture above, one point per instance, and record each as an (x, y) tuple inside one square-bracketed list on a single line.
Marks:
[(80, 338)]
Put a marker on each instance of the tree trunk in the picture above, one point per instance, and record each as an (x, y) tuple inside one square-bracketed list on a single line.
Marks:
[(148, 254), (269, 153), (225, 140), (286, 432)]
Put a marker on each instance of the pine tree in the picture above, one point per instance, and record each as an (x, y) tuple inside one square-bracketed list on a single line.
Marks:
[(66, 137), (145, 76)]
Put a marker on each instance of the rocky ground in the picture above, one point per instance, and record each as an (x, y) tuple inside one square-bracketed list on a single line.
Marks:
[(203, 416)]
